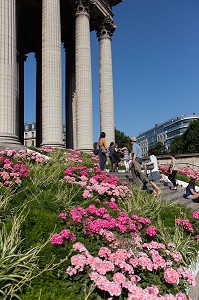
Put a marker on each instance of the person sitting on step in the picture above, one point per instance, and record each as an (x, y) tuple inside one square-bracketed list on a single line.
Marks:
[(191, 191)]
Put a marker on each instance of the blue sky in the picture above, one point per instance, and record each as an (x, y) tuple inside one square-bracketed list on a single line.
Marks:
[(155, 52)]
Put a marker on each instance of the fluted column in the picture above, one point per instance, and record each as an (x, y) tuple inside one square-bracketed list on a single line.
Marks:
[(8, 72), (106, 80), (83, 79), (52, 123)]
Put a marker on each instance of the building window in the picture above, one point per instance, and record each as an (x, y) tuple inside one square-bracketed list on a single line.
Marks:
[(33, 143), (33, 134), (26, 135), (25, 143)]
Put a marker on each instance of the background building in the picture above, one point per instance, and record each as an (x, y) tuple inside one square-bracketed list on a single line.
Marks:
[(30, 134), (164, 132)]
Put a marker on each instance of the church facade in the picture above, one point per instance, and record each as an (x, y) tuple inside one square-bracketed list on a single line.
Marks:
[(41, 26)]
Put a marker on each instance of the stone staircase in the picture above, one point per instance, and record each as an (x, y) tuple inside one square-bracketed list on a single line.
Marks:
[(168, 194)]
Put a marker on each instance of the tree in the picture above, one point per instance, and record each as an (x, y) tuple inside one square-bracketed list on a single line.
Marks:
[(177, 145), (188, 142), (191, 138), (121, 138), (158, 148)]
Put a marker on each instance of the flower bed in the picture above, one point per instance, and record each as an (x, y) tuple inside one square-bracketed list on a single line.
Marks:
[(188, 172), (126, 262), (104, 247)]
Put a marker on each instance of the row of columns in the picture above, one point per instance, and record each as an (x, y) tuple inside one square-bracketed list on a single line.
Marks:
[(78, 83)]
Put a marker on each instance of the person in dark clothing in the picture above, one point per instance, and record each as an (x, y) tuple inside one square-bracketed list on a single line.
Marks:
[(110, 155), (113, 153), (102, 151), (116, 158)]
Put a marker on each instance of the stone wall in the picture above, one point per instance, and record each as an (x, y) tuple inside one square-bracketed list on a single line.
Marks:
[(183, 160)]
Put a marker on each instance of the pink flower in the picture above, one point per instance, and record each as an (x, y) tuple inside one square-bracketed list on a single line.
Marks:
[(195, 214), (56, 239), (151, 230), (79, 247), (119, 278), (78, 261), (181, 296), (71, 271), (171, 276), (63, 216)]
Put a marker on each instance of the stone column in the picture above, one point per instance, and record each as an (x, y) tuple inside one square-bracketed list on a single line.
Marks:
[(83, 79), (52, 123), (70, 93), (106, 79), (8, 72)]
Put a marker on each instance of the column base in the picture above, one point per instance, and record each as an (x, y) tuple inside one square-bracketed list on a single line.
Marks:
[(85, 150), (56, 145), (16, 147), (9, 138)]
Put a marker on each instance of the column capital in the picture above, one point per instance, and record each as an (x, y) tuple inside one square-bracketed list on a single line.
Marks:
[(83, 7), (106, 29)]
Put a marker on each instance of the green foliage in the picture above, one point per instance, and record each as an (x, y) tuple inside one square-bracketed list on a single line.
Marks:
[(177, 145), (17, 267), (188, 142), (121, 138), (159, 148), (191, 137)]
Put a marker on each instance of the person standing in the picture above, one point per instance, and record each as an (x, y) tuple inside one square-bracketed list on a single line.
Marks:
[(111, 150), (102, 151), (173, 171), (116, 158), (137, 163), (126, 151), (154, 174)]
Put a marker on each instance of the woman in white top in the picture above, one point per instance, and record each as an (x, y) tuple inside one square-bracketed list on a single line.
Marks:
[(154, 174)]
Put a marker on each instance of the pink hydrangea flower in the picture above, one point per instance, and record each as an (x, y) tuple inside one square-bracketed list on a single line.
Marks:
[(63, 216), (171, 276)]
